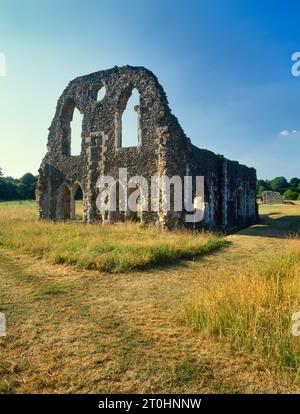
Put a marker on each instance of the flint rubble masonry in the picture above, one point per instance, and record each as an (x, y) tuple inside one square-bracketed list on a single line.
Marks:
[(163, 149)]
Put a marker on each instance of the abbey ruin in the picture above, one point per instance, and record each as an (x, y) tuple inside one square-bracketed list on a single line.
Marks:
[(162, 149)]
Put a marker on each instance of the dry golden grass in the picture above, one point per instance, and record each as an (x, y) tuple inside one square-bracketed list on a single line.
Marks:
[(253, 307), (84, 331)]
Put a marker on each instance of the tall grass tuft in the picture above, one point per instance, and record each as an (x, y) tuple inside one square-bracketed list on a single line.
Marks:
[(252, 310)]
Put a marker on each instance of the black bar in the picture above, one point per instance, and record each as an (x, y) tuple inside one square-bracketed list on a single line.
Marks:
[(131, 403)]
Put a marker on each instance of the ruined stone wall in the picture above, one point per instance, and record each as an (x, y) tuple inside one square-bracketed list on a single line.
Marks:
[(271, 197), (241, 195), (229, 190), (163, 149)]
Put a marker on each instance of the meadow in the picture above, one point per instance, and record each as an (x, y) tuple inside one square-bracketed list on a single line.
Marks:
[(220, 323), (253, 307), (107, 248)]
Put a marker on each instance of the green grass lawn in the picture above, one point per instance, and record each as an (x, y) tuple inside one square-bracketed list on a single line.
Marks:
[(107, 248)]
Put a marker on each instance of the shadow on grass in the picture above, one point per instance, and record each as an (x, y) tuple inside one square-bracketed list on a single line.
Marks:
[(274, 227), (180, 263)]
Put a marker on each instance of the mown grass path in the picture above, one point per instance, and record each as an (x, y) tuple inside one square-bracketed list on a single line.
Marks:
[(80, 331)]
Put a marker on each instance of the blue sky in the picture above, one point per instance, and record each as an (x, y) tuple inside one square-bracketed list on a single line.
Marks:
[(225, 66)]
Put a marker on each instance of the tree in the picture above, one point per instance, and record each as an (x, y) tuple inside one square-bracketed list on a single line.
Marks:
[(13, 189), (26, 186), (290, 195), (8, 190), (1, 184), (259, 184), (262, 185), (260, 190), (279, 184), (294, 183)]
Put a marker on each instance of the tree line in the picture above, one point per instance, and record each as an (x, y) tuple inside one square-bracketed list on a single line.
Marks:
[(289, 189), (17, 189)]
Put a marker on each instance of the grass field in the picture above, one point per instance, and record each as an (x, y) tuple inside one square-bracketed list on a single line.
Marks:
[(218, 323), (113, 249), (252, 308)]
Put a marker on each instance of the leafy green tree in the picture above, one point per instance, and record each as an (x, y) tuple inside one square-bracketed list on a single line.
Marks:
[(290, 195), (13, 189), (26, 186), (260, 190), (259, 184), (262, 185), (279, 184), (268, 184), (2, 190), (8, 190), (294, 183)]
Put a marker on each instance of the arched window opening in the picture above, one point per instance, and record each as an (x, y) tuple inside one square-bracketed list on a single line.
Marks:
[(76, 132), (78, 202), (101, 93), (129, 134)]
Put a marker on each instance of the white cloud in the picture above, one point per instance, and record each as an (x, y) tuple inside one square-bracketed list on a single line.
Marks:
[(286, 133)]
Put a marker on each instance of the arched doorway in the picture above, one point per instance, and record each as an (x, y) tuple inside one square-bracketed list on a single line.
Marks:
[(135, 201), (77, 202)]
